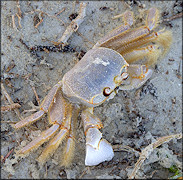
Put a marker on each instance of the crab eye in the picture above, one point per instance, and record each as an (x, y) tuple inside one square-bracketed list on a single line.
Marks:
[(124, 76), (107, 91)]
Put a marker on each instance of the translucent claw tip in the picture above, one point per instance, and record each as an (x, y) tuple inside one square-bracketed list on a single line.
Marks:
[(96, 156)]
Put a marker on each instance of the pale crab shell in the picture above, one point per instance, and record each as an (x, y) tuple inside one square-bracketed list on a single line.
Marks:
[(88, 78)]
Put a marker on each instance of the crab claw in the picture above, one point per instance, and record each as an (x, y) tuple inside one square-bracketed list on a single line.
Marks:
[(138, 75), (97, 149)]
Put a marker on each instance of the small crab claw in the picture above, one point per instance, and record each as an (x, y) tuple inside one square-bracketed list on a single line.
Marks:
[(138, 75), (97, 149)]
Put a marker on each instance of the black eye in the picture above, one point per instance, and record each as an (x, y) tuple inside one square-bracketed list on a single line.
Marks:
[(107, 91)]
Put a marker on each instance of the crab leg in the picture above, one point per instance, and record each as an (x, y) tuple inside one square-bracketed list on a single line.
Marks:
[(97, 148), (66, 127), (152, 18), (61, 113), (44, 136), (128, 21), (138, 75), (45, 105), (70, 144), (69, 151), (164, 38), (29, 120), (151, 53), (125, 38), (53, 145), (59, 110), (48, 101)]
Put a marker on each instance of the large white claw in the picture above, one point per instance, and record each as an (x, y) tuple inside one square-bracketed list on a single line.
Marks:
[(94, 156)]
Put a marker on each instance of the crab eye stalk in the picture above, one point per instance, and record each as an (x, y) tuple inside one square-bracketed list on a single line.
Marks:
[(124, 76), (107, 91)]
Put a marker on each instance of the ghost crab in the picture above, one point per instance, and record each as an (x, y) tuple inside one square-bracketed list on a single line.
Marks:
[(105, 69)]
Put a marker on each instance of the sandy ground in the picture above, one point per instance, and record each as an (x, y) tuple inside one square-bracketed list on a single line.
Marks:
[(134, 118)]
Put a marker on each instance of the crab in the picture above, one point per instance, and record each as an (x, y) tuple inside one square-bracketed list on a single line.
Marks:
[(104, 70)]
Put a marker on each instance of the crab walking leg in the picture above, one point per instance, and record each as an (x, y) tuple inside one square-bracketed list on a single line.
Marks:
[(151, 52), (138, 75), (59, 110), (132, 35), (164, 38), (70, 144), (53, 145), (49, 99), (128, 21), (43, 137), (61, 113), (29, 120), (152, 18), (69, 149), (97, 149), (45, 105)]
